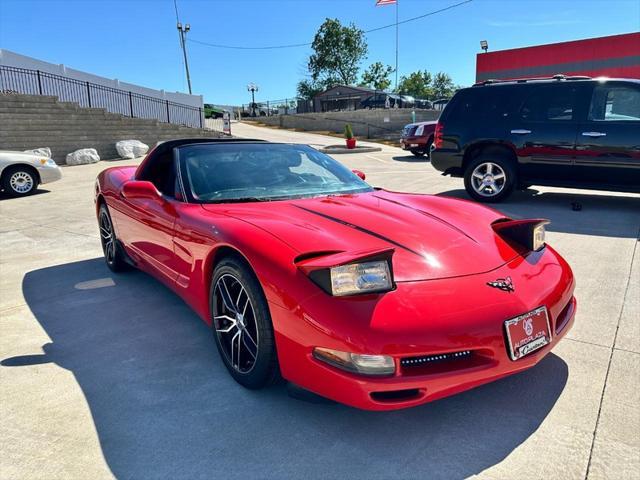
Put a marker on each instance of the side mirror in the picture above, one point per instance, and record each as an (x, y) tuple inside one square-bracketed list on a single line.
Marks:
[(360, 174), (140, 189)]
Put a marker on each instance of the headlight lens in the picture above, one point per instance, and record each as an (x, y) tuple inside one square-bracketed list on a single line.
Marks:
[(357, 363), (367, 277), (419, 131), (538, 237)]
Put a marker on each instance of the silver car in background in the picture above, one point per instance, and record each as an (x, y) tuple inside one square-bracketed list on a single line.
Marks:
[(22, 172)]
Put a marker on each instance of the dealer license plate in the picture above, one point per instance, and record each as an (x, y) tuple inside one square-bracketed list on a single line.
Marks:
[(527, 333)]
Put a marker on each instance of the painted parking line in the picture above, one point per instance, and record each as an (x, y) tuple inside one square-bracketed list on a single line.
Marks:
[(382, 160)]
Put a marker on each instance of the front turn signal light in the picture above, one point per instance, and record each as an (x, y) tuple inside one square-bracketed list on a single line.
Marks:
[(364, 364)]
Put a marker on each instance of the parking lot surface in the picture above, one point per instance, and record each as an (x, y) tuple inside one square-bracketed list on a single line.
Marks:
[(106, 375)]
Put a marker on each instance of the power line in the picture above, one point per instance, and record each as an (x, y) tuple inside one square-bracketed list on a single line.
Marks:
[(294, 45)]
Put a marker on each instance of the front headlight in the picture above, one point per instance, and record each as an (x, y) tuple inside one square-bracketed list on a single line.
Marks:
[(367, 277), (48, 162), (538, 237)]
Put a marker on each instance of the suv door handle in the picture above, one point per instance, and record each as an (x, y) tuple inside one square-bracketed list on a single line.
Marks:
[(521, 131), (594, 134)]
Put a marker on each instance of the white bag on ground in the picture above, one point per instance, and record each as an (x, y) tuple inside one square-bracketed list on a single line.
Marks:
[(131, 148), (42, 151), (83, 156)]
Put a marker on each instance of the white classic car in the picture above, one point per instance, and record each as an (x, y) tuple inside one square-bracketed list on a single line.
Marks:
[(22, 172)]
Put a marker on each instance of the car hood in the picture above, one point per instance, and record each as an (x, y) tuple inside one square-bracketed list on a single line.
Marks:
[(417, 124), (432, 237), (13, 156)]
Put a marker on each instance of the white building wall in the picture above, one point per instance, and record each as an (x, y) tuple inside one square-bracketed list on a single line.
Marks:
[(13, 59)]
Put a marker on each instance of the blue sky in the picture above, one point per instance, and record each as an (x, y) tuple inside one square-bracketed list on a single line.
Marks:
[(137, 41)]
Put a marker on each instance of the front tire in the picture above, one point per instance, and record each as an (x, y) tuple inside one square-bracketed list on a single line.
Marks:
[(242, 325), (110, 248), (418, 153), (19, 181), (490, 178)]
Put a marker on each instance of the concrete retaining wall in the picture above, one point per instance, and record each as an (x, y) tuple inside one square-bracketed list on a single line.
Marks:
[(365, 123), (32, 121)]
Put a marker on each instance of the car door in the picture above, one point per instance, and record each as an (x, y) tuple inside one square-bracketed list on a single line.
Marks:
[(146, 226), (543, 130), (608, 145)]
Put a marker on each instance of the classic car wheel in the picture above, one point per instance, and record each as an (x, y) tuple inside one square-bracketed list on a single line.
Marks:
[(19, 181), (242, 325), (489, 178), (112, 254)]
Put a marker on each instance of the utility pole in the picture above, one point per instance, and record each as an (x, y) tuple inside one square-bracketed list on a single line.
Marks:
[(397, 46), (183, 43)]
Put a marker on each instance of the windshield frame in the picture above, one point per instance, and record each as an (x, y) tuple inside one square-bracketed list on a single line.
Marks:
[(191, 197)]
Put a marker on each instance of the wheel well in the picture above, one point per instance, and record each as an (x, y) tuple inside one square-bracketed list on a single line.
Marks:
[(474, 151), (24, 166)]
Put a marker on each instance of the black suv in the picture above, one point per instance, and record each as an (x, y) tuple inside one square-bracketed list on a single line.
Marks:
[(561, 131)]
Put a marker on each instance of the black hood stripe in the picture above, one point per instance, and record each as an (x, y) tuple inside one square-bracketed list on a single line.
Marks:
[(438, 219), (360, 229)]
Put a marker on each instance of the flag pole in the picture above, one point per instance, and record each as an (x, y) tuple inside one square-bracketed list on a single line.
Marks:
[(397, 1)]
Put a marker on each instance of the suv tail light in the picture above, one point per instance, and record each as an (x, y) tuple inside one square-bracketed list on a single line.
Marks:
[(438, 135)]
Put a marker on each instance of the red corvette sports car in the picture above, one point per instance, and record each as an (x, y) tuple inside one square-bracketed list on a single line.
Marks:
[(375, 299)]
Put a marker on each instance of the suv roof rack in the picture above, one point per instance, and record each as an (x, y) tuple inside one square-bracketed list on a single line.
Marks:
[(558, 76)]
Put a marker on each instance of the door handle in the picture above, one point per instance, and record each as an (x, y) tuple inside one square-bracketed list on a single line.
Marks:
[(594, 134), (521, 131)]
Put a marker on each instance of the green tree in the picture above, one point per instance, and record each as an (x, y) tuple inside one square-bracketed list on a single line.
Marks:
[(337, 53), (377, 76), (308, 89), (443, 86), (417, 84)]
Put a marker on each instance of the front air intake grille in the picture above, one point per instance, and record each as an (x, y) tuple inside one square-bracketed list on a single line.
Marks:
[(431, 359)]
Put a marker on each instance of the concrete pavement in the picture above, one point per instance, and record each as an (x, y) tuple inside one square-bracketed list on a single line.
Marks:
[(105, 375)]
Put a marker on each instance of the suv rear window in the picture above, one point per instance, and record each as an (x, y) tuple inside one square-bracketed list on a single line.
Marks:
[(549, 103), (481, 103), (614, 103)]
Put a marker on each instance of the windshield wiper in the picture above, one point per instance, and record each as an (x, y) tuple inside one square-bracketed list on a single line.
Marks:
[(241, 200)]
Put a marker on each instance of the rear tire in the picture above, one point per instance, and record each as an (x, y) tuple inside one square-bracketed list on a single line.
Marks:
[(110, 247), (19, 181), (490, 178), (241, 324)]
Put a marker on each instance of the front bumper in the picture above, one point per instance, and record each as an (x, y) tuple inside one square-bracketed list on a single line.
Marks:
[(423, 319), (49, 174), (413, 143)]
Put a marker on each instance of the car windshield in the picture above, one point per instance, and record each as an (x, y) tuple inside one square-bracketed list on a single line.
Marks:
[(234, 172)]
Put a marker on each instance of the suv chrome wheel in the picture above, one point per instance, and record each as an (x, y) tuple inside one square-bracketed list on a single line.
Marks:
[(234, 320), (488, 179)]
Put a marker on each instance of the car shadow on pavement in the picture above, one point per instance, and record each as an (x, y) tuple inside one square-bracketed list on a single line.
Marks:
[(411, 159), (165, 407), (579, 213), (39, 191)]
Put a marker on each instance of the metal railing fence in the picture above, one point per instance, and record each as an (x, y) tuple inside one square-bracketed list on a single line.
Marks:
[(87, 94), (284, 106)]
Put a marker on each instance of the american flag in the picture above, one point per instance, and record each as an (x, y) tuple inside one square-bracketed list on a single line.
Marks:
[(380, 3)]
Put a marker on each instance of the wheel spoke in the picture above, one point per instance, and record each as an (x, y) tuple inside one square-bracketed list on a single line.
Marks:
[(226, 296), (248, 335), (478, 175), (498, 176), (489, 168), (249, 350)]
